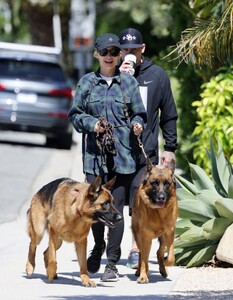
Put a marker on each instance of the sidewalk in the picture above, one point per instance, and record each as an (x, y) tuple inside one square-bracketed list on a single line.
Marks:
[(14, 283)]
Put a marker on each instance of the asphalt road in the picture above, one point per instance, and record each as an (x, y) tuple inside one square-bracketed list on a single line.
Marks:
[(23, 157), (19, 164)]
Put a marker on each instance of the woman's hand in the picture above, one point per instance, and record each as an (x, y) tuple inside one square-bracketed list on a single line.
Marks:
[(137, 129), (98, 128)]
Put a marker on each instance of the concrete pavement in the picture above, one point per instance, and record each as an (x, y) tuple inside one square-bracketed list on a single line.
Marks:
[(14, 283)]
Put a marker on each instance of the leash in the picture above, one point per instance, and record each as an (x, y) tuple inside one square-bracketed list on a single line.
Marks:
[(148, 161), (140, 144), (106, 141), (85, 147)]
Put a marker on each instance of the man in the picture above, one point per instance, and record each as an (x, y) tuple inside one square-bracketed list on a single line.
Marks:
[(161, 111)]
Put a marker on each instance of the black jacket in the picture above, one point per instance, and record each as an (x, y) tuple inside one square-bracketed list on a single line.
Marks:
[(158, 99)]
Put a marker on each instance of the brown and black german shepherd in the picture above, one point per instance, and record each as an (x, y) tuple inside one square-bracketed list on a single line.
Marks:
[(154, 215), (67, 209)]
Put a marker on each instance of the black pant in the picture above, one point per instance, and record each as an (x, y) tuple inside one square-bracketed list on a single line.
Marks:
[(120, 193)]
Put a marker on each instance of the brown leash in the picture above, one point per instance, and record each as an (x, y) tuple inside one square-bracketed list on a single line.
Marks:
[(148, 161), (106, 141), (141, 146)]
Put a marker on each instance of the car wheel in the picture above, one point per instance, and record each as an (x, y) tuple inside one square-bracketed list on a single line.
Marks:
[(62, 141), (65, 141)]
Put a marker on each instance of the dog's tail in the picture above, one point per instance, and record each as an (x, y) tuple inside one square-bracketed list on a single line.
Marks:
[(36, 220)]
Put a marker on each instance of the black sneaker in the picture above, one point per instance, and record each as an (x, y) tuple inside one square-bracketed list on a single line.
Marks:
[(110, 273), (93, 261)]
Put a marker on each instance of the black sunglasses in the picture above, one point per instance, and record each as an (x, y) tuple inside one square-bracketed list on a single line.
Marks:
[(113, 52)]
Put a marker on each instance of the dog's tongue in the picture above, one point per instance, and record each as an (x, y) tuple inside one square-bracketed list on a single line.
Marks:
[(160, 204)]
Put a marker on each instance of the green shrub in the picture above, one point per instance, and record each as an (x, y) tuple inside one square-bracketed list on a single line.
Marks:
[(215, 115), (205, 210)]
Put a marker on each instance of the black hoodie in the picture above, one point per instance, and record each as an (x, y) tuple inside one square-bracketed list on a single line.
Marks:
[(158, 99)]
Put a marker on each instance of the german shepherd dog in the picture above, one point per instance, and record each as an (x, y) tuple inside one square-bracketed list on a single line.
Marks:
[(67, 209), (154, 215)]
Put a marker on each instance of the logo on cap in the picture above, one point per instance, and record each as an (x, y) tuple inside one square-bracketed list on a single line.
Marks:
[(129, 37), (110, 39)]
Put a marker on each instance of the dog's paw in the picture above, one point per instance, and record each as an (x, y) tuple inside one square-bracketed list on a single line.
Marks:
[(143, 279), (52, 271), (89, 283), (29, 269), (163, 272)]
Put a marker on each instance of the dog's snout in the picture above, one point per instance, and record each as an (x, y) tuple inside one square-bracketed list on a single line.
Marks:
[(161, 197), (118, 217)]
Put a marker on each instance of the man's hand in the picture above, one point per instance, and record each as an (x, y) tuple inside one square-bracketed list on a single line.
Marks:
[(125, 67), (168, 159)]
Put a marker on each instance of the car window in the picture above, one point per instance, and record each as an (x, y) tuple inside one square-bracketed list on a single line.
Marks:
[(31, 70)]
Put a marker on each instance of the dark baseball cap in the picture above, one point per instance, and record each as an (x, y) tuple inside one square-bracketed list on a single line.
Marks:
[(130, 38), (107, 40)]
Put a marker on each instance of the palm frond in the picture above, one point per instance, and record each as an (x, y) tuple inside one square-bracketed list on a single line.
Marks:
[(208, 40)]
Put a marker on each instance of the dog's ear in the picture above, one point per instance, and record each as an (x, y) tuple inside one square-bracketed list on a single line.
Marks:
[(149, 167), (172, 165), (108, 185), (149, 164), (146, 177), (94, 188)]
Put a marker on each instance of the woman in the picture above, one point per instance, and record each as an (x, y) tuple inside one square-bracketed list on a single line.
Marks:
[(108, 109)]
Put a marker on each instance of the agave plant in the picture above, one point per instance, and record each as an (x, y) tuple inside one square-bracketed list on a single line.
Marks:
[(205, 210)]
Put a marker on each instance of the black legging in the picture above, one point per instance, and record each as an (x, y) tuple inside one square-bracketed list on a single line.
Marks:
[(120, 192)]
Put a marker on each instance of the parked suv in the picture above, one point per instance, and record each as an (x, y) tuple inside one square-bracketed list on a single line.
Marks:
[(34, 93)]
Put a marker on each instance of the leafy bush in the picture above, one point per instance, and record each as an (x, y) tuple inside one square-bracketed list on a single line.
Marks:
[(205, 210), (215, 114)]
